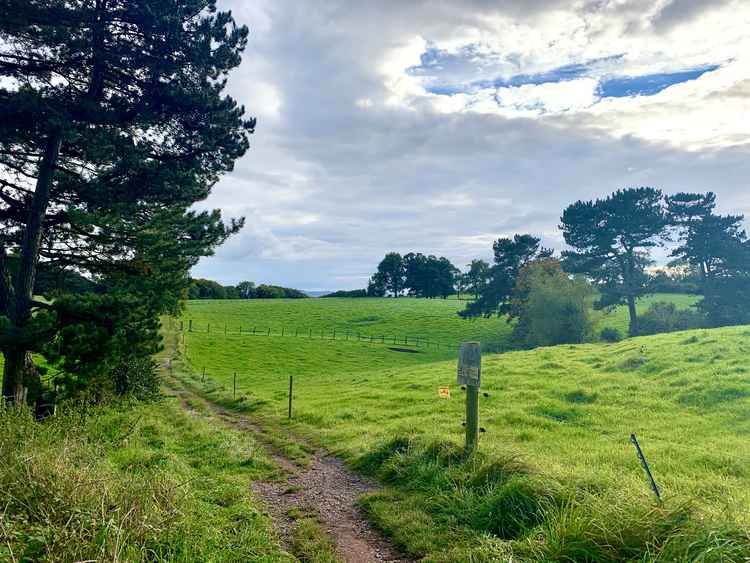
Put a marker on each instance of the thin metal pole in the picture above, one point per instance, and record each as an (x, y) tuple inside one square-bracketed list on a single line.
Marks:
[(644, 463)]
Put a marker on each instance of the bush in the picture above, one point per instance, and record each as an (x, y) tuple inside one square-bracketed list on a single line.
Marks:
[(551, 308), (665, 317), (139, 378), (610, 334)]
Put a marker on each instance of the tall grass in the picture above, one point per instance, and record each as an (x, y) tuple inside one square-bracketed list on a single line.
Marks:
[(129, 482)]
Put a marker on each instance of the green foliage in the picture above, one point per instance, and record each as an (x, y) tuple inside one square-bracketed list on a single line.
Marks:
[(666, 317), (349, 293), (429, 276), (476, 277), (116, 135), (610, 238), (550, 308), (390, 277), (610, 334), (130, 482), (139, 378), (510, 256)]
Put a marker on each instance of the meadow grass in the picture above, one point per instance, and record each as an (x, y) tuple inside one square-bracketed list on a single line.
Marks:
[(131, 482), (555, 478)]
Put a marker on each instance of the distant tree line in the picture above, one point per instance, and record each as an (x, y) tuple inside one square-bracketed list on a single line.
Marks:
[(349, 293), (209, 289)]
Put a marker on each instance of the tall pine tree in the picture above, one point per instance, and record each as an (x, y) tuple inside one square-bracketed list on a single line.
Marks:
[(114, 124), (610, 239)]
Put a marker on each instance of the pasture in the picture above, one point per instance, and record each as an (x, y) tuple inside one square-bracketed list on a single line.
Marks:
[(555, 451)]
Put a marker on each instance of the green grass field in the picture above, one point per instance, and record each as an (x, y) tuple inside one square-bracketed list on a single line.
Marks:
[(555, 452)]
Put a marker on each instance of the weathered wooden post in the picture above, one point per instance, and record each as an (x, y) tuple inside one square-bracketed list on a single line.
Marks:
[(291, 381), (469, 374)]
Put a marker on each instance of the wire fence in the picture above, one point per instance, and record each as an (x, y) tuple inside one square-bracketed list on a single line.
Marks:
[(329, 334)]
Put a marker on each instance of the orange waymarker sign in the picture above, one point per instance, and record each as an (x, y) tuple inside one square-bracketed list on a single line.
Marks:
[(444, 392)]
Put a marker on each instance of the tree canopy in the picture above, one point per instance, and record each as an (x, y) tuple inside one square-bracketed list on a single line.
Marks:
[(115, 123), (610, 239)]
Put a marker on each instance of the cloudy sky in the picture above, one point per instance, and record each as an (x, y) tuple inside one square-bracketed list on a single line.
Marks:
[(438, 126)]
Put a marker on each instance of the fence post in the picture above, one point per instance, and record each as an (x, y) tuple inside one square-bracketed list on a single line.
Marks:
[(334, 334), (234, 386), (291, 381), (190, 325), (310, 333), (282, 331), (180, 326), (225, 329), (208, 328), (203, 377), (469, 374), (269, 331)]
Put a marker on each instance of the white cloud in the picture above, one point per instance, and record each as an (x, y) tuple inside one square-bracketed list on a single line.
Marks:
[(353, 157)]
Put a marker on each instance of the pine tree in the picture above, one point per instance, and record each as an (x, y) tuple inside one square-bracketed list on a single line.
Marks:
[(510, 256), (611, 238), (114, 124)]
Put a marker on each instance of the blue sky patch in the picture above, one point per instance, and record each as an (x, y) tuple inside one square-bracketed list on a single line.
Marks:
[(469, 71), (649, 84)]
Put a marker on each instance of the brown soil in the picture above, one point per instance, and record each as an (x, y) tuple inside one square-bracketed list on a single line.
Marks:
[(324, 488)]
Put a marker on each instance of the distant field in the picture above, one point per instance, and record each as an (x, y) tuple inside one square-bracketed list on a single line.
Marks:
[(432, 319), (618, 317)]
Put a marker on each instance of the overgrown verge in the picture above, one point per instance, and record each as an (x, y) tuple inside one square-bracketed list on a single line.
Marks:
[(130, 482), (450, 508)]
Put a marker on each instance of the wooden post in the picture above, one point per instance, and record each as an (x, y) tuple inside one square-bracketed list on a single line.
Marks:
[(234, 386), (291, 381), (334, 334), (190, 325), (203, 377), (469, 374), (282, 331), (269, 331), (225, 329), (208, 328), (180, 326), (310, 333)]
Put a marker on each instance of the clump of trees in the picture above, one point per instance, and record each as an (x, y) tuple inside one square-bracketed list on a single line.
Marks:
[(209, 289), (414, 274), (115, 122), (610, 242), (357, 293)]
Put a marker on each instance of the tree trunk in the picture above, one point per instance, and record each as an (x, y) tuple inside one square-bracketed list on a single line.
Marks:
[(20, 377), (633, 328), (17, 357)]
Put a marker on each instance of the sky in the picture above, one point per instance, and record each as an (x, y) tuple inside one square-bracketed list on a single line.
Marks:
[(439, 126)]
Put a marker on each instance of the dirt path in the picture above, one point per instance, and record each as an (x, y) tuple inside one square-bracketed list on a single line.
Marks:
[(325, 487)]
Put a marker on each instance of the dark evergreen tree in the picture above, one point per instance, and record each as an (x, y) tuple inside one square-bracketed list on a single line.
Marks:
[(476, 276), (114, 124), (611, 238), (718, 247), (391, 274), (510, 256)]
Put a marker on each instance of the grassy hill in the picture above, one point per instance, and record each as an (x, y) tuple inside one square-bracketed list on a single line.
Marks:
[(555, 460)]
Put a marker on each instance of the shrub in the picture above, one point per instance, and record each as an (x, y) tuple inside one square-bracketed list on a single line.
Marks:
[(139, 378), (551, 308), (610, 334), (665, 317)]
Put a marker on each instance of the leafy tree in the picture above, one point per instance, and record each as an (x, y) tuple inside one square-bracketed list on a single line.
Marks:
[(264, 291), (476, 276), (610, 238), (114, 124), (718, 247), (375, 286), (246, 290), (352, 293), (510, 256), (549, 306), (391, 274), (429, 276), (206, 289)]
